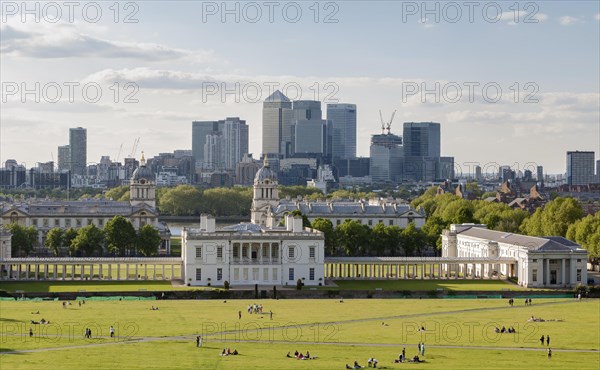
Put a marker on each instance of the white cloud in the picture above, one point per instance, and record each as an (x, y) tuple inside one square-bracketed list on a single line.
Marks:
[(70, 40), (567, 20)]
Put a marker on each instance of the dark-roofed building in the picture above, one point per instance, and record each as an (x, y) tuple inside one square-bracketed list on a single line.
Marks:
[(45, 215), (551, 261)]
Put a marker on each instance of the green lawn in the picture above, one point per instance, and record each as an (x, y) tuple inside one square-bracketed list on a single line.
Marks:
[(417, 284), (459, 334), (90, 286)]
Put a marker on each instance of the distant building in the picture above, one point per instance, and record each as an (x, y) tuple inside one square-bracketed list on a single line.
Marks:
[(386, 164), (219, 145), (200, 129), (343, 130), (580, 168), (64, 158), (78, 150), (246, 170), (277, 125)]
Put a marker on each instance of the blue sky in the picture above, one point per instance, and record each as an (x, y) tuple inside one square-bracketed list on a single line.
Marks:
[(374, 52)]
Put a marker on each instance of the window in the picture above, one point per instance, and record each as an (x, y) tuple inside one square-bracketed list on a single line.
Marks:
[(275, 251), (236, 250), (198, 252), (291, 253), (219, 274), (245, 274), (274, 274), (311, 252), (45, 222), (236, 274), (78, 222), (311, 274), (337, 222), (265, 274), (56, 222), (101, 222), (244, 251), (34, 221), (291, 273), (198, 274), (370, 222), (534, 260), (579, 260), (67, 222), (219, 253), (578, 274), (534, 275), (89, 221), (391, 222)]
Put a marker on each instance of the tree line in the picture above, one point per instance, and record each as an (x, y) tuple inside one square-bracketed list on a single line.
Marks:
[(118, 238)]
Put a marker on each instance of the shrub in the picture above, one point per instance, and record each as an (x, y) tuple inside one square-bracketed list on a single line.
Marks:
[(226, 285), (299, 284)]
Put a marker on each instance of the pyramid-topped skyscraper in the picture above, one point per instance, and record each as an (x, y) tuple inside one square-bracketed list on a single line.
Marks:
[(277, 123)]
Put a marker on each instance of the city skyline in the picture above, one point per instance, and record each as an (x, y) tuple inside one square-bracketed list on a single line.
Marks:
[(175, 72)]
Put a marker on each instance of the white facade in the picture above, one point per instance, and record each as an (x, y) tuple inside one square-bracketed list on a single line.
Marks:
[(540, 262), (247, 254)]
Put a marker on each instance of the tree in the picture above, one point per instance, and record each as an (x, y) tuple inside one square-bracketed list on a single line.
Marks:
[(433, 231), (23, 239), (383, 239), (68, 236), (586, 232), (305, 220), (326, 227), (181, 200), (120, 235), (148, 241), (89, 240), (353, 237), (120, 193), (54, 240), (412, 240), (554, 218)]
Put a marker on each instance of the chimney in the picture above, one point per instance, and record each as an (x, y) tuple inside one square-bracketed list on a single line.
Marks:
[(203, 217), (210, 224), (297, 224), (289, 222)]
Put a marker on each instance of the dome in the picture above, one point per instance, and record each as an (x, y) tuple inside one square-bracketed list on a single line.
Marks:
[(142, 172), (265, 173)]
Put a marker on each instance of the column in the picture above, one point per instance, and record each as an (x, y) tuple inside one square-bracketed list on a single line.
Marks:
[(101, 274), (457, 266), (562, 271), (118, 271), (136, 271), (45, 271), (547, 261), (163, 272), (126, 271), (172, 272), (145, 271), (91, 271), (154, 272)]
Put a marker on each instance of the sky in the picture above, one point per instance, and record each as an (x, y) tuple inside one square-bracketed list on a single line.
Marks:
[(511, 83)]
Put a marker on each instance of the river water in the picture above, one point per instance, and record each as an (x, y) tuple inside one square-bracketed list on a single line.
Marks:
[(176, 227)]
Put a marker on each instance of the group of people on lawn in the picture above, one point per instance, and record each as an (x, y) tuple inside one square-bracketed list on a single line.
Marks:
[(301, 356), (505, 330)]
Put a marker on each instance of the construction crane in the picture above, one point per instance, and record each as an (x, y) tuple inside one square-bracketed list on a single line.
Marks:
[(386, 125), (119, 155), (136, 142)]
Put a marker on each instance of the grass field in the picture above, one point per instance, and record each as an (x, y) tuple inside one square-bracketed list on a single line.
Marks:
[(95, 286), (459, 334)]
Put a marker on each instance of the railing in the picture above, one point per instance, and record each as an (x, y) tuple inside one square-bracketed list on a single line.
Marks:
[(254, 261)]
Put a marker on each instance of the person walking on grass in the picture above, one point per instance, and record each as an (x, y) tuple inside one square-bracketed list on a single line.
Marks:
[(239, 315), (547, 340), (197, 341), (542, 340), (549, 353), (422, 349), (112, 331)]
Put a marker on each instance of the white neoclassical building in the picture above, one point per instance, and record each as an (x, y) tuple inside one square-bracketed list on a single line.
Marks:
[(539, 262), (248, 253)]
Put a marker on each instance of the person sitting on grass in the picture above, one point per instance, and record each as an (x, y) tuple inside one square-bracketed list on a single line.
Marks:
[(356, 365), (224, 353), (348, 367), (288, 355), (296, 354), (307, 355), (300, 356)]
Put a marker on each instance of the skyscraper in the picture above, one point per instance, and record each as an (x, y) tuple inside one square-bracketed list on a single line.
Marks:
[(219, 145), (199, 131), (422, 151), (277, 124), (78, 150), (580, 168), (64, 157), (342, 130), (386, 158), (309, 130), (540, 175)]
